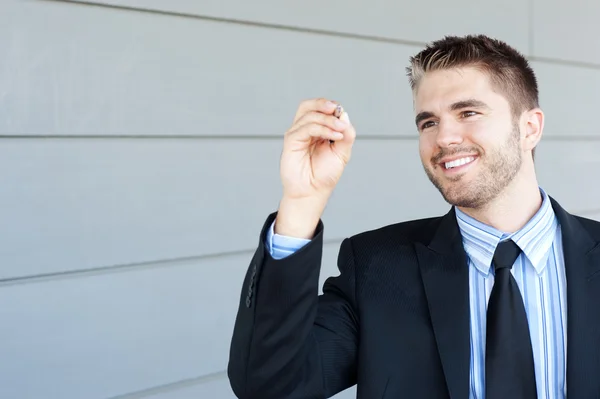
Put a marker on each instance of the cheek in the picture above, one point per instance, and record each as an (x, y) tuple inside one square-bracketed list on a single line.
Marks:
[(477, 130), (487, 133), (425, 148)]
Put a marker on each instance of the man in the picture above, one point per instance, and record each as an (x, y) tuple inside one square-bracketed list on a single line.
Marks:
[(499, 298)]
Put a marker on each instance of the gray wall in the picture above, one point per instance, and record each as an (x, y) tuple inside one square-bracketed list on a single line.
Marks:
[(140, 151)]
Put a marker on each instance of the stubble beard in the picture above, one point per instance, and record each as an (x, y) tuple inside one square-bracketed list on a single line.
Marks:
[(496, 171)]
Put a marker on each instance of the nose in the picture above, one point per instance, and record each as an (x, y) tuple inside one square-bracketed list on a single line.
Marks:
[(448, 134)]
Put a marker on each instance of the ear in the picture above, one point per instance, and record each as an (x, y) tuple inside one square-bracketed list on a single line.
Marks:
[(532, 123)]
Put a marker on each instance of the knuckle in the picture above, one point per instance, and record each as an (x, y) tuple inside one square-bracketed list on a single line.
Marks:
[(332, 120), (318, 117), (313, 128), (304, 103), (318, 130), (323, 119), (304, 119), (312, 117)]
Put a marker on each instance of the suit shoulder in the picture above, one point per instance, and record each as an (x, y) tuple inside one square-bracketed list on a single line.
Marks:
[(406, 232), (592, 226), (389, 246)]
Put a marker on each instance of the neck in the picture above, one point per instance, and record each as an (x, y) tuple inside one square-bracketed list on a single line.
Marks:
[(513, 208)]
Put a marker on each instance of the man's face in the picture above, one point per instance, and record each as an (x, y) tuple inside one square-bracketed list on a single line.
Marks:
[(468, 141)]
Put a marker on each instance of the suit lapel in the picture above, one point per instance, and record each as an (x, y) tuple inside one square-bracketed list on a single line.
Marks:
[(445, 272), (582, 266)]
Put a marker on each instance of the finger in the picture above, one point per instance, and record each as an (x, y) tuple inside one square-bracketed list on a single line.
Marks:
[(314, 130), (338, 111), (315, 105), (329, 121)]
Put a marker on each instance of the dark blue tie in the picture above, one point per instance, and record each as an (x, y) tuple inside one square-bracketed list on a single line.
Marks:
[(509, 369)]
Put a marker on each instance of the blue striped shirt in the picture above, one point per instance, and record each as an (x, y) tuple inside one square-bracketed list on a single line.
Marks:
[(540, 274)]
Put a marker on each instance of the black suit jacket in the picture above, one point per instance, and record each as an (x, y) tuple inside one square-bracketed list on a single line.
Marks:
[(395, 321)]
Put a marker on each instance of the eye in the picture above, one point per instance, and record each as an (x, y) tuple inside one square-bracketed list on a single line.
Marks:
[(466, 114), (427, 124)]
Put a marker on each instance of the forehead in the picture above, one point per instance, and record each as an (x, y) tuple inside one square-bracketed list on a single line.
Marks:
[(438, 89)]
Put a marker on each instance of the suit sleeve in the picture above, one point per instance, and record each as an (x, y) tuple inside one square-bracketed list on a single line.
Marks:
[(282, 246), (288, 342)]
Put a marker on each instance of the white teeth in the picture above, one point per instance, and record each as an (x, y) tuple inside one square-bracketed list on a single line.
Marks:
[(459, 162)]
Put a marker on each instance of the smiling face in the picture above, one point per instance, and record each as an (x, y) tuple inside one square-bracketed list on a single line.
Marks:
[(469, 141)]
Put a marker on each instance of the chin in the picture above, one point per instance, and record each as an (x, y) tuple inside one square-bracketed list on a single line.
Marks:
[(464, 200), (458, 189), (462, 193)]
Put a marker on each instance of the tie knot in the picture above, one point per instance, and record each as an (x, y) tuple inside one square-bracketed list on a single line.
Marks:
[(506, 254)]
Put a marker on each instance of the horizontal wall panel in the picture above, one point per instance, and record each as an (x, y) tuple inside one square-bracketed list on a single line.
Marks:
[(567, 171), (82, 204), (220, 389), (396, 20), (155, 75), (81, 79), (566, 30), (569, 98), (102, 335), (214, 388), (593, 215)]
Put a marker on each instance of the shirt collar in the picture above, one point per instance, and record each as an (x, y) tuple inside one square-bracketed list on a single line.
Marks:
[(534, 239)]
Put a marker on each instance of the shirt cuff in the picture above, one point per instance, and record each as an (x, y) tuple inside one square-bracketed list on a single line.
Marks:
[(281, 246)]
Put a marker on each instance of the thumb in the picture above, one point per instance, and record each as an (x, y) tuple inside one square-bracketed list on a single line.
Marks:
[(344, 146)]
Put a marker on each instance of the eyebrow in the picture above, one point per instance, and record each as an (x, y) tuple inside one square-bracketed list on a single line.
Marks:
[(470, 103)]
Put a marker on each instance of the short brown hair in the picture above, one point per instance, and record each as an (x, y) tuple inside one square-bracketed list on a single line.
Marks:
[(508, 69)]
